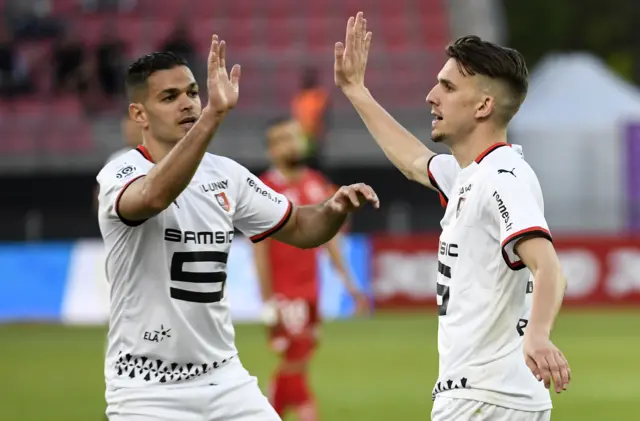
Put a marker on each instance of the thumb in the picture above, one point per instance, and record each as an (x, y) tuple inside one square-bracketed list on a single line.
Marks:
[(533, 366), (235, 75), (339, 52)]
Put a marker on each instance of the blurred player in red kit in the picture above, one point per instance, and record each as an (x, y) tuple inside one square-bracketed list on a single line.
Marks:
[(289, 276)]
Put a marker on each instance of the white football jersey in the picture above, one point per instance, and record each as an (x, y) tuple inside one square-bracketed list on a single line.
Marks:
[(117, 154), (483, 289), (170, 318)]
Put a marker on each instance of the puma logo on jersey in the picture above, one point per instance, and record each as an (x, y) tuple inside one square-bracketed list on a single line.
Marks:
[(504, 213), (465, 189), (501, 171), (214, 186)]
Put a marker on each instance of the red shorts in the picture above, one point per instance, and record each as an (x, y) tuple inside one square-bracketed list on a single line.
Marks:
[(295, 336)]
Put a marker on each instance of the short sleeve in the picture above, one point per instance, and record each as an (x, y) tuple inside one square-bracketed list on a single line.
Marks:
[(260, 210), (113, 180), (443, 170), (517, 205)]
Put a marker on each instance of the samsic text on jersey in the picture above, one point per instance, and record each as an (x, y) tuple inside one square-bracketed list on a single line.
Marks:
[(170, 318), (483, 289)]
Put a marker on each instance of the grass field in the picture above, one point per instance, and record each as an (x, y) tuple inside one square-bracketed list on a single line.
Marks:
[(375, 369)]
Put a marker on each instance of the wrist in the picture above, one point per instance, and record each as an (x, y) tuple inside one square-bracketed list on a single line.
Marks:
[(354, 92), (212, 114), (535, 330)]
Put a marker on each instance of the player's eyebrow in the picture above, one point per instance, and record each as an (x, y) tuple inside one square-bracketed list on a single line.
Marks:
[(176, 91), (446, 82)]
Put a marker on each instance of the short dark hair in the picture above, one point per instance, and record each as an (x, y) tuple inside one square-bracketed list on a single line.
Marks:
[(139, 71), (475, 56)]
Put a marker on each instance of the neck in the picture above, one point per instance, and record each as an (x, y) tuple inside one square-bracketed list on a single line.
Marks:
[(157, 150), (466, 150), (290, 173)]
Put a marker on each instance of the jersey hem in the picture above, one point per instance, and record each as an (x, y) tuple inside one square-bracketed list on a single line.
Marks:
[(513, 238), (496, 399), (444, 200), (285, 218), (117, 205)]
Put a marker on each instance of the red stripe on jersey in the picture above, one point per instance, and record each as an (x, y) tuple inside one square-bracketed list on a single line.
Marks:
[(490, 149), (539, 231), (259, 237), (443, 198), (145, 152), (117, 204)]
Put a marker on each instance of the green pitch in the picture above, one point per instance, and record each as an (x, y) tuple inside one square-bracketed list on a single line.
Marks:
[(371, 369)]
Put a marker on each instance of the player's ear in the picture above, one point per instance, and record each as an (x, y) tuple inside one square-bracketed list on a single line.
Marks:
[(485, 107), (137, 114)]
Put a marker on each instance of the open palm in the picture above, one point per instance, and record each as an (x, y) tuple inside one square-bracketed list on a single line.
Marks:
[(223, 87), (351, 57)]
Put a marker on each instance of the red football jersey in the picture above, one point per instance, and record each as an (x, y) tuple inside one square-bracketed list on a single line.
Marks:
[(295, 271)]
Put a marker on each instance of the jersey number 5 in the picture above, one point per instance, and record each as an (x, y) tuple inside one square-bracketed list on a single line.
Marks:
[(179, 274)]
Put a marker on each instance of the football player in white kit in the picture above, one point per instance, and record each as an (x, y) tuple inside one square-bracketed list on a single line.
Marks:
[(499, 281), (167, 213)]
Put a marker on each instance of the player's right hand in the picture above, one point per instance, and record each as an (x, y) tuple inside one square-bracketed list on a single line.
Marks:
[(546, 362), (351, 198), (223, 87), (351, 57)]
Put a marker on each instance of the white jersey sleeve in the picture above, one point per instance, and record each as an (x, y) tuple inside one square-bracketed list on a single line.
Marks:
[(260, 210), (113, 180), (443, 170), (517, 205)]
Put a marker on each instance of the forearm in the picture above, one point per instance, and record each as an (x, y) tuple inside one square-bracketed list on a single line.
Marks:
[(164, 183), (263, 270), (314, 225), (401, 147), (548, 292), (337, 259)]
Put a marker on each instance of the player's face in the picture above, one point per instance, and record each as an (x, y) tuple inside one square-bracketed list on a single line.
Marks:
[(454, 101), (286, 144), (172, 105)]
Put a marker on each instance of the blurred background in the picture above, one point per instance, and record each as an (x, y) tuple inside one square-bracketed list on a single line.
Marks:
[(63, 114)]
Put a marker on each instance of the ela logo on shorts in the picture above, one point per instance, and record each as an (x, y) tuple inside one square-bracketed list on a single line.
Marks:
[(222, 200)]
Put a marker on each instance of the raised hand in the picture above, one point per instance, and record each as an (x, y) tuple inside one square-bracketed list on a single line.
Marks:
[(223, 88), (350, 198), (351, 57)]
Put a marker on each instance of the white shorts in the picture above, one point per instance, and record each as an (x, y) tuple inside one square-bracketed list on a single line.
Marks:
[(453, 409), (234, 396)]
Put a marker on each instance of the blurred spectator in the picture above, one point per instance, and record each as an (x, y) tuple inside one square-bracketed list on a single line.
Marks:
[(14, 72), (179, 42), (310, 106), (30, 19), (93, 6), (70, 65), (110, 56)]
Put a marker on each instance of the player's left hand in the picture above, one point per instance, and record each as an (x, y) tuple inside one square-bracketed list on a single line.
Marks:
[(350, 198), (362, 303), (546, 362)]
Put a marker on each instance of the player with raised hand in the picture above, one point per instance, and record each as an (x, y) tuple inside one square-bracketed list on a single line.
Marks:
[(289, 277), (491, 311), (167, 213)]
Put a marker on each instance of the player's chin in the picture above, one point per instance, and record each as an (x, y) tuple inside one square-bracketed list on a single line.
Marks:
[(437, 136)]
